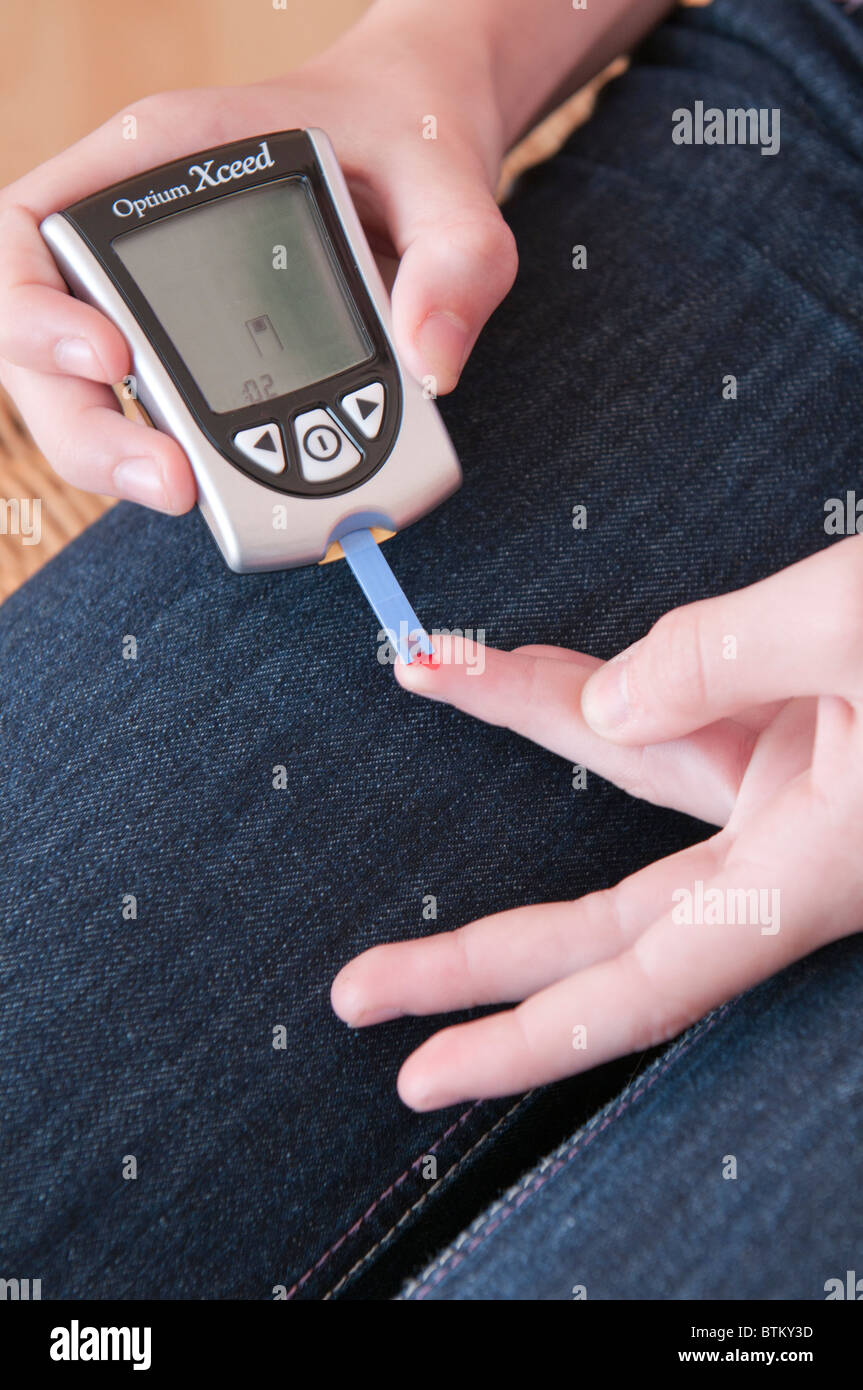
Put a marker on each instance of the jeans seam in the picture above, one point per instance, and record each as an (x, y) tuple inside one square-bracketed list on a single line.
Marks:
[(490, 1221), (409, 1211), (352, 1230)]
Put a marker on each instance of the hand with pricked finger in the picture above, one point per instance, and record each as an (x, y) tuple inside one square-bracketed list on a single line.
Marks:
[(744, 710)]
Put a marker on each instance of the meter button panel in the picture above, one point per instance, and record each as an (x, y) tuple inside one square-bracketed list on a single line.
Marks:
[(262, 444), (324, 449), (365, 408)]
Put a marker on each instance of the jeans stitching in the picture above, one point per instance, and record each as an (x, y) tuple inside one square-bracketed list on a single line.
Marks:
[(517, 1195), (295, 1288), (409, 1211)]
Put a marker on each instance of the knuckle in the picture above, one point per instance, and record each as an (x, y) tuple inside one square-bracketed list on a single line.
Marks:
[(463, 968), (608, 910), (639, 781), (159, 113), (845, 607), (530, 1038), (839, 630), (531, 708), (485, 238), (72, 454), (18, 239), (671, 675), (65, 463), (153, 104), (501, 247), (13, 216), (499, 251), (660, 1010)]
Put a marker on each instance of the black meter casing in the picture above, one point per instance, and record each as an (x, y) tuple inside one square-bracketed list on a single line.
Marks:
[(252, 254)]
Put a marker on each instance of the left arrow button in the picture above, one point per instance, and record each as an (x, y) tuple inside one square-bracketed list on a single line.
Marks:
[(262, 445)]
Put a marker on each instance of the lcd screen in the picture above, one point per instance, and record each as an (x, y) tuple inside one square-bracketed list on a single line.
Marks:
[(249, 291)]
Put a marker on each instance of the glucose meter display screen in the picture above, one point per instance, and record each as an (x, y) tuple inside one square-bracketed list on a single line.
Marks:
[(250, 293)]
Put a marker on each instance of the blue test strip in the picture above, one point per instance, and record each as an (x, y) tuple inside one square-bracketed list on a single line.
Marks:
[(386, 596)]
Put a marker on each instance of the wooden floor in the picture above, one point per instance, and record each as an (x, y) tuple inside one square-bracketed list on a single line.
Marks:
[(63, 511)]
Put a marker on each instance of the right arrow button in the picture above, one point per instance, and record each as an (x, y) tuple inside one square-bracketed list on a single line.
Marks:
[(365, 408)]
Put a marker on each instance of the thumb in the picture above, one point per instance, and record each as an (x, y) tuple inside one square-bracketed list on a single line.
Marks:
[(795, 633), (458, 260)]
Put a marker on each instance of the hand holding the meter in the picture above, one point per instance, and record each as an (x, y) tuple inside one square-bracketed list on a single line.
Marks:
[(744, 710), (429, 202)]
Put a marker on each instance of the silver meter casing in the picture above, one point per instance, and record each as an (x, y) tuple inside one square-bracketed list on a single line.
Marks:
[(256, 526)]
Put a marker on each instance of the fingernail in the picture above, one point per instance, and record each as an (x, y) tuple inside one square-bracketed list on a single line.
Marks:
[(605, 696), (421, 677), (421, 1095), (77, 357), (140, 480), (383, 1014), (356, 1013), (442, 342)]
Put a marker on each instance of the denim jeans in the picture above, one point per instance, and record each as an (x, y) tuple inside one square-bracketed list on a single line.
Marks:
[(181, 1114)]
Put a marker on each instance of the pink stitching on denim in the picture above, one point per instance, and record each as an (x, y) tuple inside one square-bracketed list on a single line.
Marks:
[(295, 1288), (425, 1286), (410, 1211)]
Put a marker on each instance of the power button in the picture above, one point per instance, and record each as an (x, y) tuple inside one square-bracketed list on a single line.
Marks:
[(325, 450)]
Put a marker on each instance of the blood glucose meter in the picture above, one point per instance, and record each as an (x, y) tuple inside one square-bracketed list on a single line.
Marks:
[(259, 328)]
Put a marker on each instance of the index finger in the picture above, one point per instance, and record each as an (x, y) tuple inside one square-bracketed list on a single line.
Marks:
[(42, 327), (539, 696), (668, 978)]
